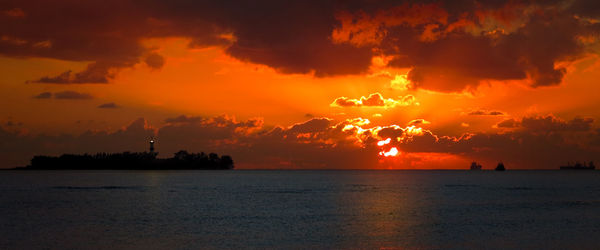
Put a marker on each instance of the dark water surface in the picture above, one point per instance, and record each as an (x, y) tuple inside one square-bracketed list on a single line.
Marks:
[(299, 209)]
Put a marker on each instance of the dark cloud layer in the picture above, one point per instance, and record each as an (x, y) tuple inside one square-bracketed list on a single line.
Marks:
[(98, 72), (43, 95), (453, 45), (538, 142), (549, 123), (184, 119), (68, 95), (292, 37), (72, 95), (486, 112), (109, 105), (450, 45)]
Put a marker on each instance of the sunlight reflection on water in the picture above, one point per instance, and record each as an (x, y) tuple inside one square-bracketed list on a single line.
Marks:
[(299, 209)]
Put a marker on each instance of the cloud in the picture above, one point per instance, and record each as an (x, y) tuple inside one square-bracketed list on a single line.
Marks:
[(109, 105), (547, 124), (72, 95), (418, 122), (14, 13), (486, 112), (310, 126), (292, 38), (219, 127), (374, 100), (400, 82), (94, 73), (65, 77), (43, 95), (522, 148), (12, 124), (325, 143), (155, 61), (184, 119), (453, 46), (316, 143), (450, 46), (551, 123), (17, 148)]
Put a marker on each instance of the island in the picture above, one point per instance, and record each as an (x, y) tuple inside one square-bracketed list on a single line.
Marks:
[(132, 161)]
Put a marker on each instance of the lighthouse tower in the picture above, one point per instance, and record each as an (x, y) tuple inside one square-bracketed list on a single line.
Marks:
[(152, 145)]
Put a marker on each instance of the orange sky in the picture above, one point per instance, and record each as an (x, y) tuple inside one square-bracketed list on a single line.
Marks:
[(482, 90)]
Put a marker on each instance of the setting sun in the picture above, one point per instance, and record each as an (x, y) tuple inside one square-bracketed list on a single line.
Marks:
[(392, 152)]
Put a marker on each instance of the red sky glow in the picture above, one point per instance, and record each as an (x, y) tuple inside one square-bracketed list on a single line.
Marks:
[(304, 84)]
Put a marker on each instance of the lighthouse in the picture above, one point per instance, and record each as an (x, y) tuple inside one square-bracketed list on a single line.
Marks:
[(151, 145)]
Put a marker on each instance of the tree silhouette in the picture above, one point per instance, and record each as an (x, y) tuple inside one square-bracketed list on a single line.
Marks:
[(127, 160)]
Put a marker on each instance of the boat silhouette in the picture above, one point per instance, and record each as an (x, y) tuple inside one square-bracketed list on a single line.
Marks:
[(579, 166), (475, 166), (500, 167)]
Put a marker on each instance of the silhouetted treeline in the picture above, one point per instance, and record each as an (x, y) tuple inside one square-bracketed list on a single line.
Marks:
[(136, 160)]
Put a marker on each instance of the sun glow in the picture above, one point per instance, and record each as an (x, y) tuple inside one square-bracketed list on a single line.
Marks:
[(386, 141), (400, 82), (412, 130), (392, 152)]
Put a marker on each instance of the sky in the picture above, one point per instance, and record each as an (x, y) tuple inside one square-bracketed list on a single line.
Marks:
[(304, 84)]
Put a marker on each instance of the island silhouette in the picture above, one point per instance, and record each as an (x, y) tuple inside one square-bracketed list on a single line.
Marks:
[(132, 161)]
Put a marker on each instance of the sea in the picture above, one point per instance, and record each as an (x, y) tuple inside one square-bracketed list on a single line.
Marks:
[(305, 209)]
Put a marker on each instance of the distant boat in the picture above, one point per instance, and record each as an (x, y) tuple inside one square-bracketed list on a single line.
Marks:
[(579, 166), (500, 167), (475, 166)]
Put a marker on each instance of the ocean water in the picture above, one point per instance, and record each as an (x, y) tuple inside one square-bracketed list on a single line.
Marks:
[(299, 209)]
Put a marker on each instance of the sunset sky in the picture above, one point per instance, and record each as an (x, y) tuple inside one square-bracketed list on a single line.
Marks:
[(304, 84)]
